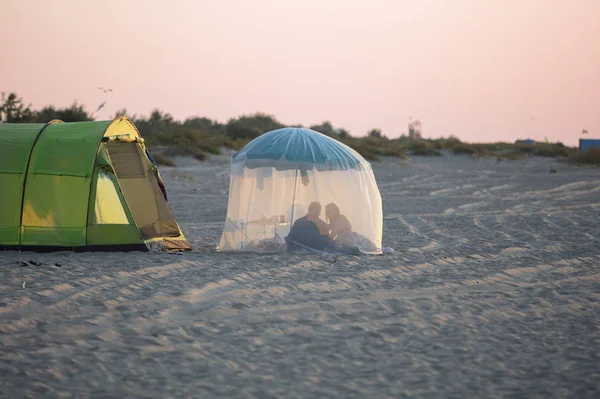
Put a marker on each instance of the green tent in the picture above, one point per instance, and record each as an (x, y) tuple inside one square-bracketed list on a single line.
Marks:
[(82, 185)]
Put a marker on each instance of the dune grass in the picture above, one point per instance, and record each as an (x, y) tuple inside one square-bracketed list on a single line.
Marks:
[(194, 143), (162, 159), (372, 148), (516, 151), (201, 137), (201, 145), (469, 149), (423, 148), (591, 156), (510, 156)]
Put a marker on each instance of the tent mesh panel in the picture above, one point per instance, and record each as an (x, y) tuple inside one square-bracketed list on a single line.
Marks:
[(142, 193)]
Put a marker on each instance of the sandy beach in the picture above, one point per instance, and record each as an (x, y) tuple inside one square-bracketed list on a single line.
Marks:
[(493, 291)]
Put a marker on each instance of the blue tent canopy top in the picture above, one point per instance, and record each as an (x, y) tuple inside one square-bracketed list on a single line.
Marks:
[(298, 148)]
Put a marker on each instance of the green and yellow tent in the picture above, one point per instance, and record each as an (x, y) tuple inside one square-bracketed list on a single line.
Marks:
[(81, 186)]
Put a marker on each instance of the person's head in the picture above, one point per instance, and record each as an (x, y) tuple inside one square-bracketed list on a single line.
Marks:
[(331, 211), (314, 210)]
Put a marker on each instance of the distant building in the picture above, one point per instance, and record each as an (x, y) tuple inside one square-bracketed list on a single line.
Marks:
[(526, 141), (585, 144)]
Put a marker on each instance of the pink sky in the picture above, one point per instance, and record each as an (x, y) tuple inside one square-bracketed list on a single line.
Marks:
[(482, 70)]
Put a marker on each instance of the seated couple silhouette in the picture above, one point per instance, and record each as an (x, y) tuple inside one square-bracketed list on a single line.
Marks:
[(312, 232)]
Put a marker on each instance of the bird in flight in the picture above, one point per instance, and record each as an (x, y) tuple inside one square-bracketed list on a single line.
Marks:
[(101, 106), (105, 90)]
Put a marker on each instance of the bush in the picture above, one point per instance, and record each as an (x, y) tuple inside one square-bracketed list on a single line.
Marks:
[(251, 126), (509, 150), (162, 159), (591, 156), (418, 145), (551, 150), (448, 143), (391, 151), (221, 141), (426, 152), (469, 149), (238, 131), (238, 144), (513, 156), (525, 148), (423, 148), (372, 147), (191, 141), (200, 156), (363, 148)]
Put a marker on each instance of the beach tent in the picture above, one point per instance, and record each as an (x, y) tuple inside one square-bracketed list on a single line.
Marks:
[(276, 176), (81, 186)]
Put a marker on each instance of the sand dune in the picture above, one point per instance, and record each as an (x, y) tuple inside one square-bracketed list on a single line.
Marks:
[(499, 297)]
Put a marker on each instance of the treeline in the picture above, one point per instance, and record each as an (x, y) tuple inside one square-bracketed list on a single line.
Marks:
[(198, 136), (201, 137), (14, 110)]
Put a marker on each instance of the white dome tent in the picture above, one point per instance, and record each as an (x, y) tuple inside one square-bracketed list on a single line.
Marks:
[(275, 178)]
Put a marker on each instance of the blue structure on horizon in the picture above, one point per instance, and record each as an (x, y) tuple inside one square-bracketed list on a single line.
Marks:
[(526, 141), (585, 144)]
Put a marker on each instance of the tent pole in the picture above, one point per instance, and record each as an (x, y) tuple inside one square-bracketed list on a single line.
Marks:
[(294, 199)]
